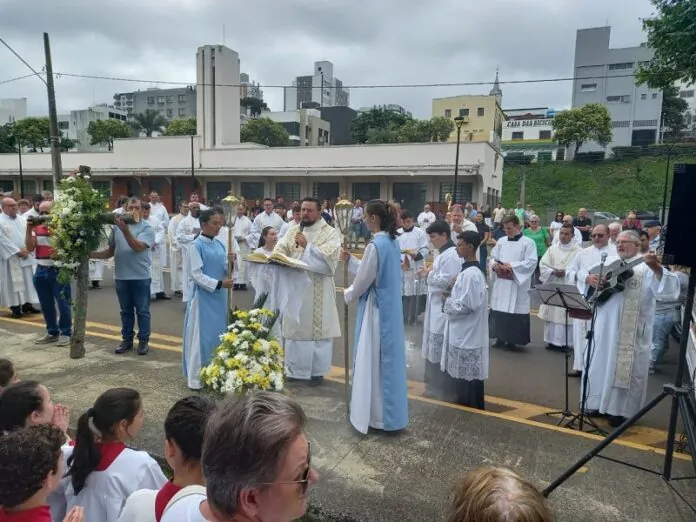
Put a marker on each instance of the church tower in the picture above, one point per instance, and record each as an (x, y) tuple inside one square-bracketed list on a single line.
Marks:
[(496, 90)]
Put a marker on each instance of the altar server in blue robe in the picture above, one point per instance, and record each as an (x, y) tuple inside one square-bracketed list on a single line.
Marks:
[(206, 311), (379, 394)]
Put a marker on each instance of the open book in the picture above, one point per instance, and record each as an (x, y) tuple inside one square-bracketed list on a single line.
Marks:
[(276, 259)]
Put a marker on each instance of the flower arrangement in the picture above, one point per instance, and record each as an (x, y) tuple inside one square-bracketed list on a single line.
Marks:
[(76, 223), (248, 357)]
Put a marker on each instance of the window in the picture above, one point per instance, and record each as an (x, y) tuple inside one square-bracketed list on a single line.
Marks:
[(325, 190), (170, 113), (545, 156), (518, 135), (620, 124), (626, 98), (182, 112), (160, 99), (463, 112), (150, 100), (216, 191), (465, 191), (252, 190), (620, 66), (290, 190), (102, 186), (480, 112), (645, 123), (588, 87), (560, 154), (654, 96), (47, 185), (686, 94), (545, 135), (6, 185), (170, 99), (643, 96), (366, 191), (29, 187), (448, 113), (63, 125), (182, 98)]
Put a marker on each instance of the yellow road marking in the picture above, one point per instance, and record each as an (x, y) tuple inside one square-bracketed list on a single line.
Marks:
[(114, 328)]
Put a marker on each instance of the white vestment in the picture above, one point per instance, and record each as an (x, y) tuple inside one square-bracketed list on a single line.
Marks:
[(262, 221), (16, 273), (465, 226), (186, 231), (465, 353), (577, 238), (446, 268), (185, 510), (140, 506), (96, 266), (159, 246), (620, 359), (415, 239), (175, 254), (242, 226), (511, 296), (556, 257), (576, 273), (425, 219), (224, 237), (309, 342), (106, 491), (286, 226), (159, 211)]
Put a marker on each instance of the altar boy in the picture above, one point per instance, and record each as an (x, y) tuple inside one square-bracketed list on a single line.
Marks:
[(413, 242)]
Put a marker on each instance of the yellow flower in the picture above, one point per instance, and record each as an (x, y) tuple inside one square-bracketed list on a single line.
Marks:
[(229, 337)]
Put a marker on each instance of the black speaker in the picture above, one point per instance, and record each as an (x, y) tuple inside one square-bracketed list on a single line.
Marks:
[(680, 248)]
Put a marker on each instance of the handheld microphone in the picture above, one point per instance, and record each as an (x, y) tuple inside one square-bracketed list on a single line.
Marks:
[(297, 245), (604, 257)]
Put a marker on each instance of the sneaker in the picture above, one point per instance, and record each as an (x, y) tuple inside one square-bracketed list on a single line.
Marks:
[(63, 340), (47, 339)]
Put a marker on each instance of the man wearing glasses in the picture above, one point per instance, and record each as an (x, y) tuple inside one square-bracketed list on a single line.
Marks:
[(257, 463)]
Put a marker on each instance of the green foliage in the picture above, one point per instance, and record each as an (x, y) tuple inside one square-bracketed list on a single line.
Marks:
[(381, 121), (182, 127), (149, 121), (66, 144), (255, 105), (612, 186), (105, 131), (441, 128), (382, 126), (33, 133), (266, 132), (673, 109), (578, 125), (672, 35), (7, 138)]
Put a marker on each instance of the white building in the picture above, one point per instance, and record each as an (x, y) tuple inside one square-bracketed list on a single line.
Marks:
[(304, 126), (687, 93), (391, 107), (321, 89), (529, 132), (12, 109), (75, 124)]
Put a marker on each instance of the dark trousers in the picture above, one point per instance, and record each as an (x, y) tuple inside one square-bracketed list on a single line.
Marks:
[(410, 304), (134, 299), (435, 379), (50, 292), (483, 256)]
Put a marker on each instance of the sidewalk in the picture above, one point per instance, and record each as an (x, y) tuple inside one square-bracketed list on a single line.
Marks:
[(381, 477)]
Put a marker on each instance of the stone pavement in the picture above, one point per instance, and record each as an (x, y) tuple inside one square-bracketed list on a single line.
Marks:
[(404, 477)]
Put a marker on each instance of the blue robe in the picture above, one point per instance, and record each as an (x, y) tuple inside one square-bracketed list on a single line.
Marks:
[(379, 378), (206, 311)]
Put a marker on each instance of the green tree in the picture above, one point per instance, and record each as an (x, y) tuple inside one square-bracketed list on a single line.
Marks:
[(33, 133), (673, 110), (149, 121), (441, 128), (255, 105), (105, 131), (7, 138), (379, 120), (266, 132), (582, 124), (672, 35), (182, 127), (66, 144), (415, 131)]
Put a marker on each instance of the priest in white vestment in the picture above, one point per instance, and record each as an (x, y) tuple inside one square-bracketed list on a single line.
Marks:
[(17, 290), (620, 359), (558, 332), (413, 242), (160, 212), (175, 251), (466, 346), (267, 218), (96, 266), (308, 342), (513, 262), (160, 244), (242, 226), (426, 218), (439, 279), (187, 230), (577, 274)]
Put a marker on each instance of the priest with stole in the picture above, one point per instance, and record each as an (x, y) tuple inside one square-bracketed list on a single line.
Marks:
[(309, 341)]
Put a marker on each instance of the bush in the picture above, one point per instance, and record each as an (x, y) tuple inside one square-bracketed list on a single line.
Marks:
[(590, 157)]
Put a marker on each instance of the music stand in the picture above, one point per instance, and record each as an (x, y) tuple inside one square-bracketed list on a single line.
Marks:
[(573, 302)]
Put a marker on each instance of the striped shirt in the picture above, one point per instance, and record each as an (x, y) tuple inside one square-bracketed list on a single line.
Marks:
[(44, 250)]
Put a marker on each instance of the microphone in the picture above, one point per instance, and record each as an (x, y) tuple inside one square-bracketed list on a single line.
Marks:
[(297, 245), (604, 257)]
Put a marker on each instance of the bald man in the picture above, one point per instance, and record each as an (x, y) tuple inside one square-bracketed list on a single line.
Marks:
[(577, 237), (16, 263)]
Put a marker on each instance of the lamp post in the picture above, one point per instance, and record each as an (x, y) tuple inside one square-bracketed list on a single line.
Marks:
[(458, 121), (193, 168), (21, 174), (669, 148), (229, 205), (343, 211)]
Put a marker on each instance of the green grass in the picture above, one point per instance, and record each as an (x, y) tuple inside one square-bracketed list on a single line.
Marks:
[(614, 185)]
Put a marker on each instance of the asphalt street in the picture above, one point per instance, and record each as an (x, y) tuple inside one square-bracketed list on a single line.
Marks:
[(531, 375)]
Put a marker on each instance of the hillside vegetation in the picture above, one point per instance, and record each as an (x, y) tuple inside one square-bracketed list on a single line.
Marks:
[(612, 186)]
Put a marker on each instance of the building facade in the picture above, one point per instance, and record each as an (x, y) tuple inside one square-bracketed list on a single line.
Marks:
[(304, 126), (177, 103), (219, 114), (12, 109), (607, 76), (320, 89), (249, 89), (686, 92), (75, 124), (529, 132), (340, 118), (391, 107)]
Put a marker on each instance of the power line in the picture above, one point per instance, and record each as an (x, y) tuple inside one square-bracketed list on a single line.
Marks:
[(18, 78), (38, 75)]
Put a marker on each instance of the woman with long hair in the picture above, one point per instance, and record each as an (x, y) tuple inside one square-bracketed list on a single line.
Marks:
[(379, 398), (268, 241), (103, 472), (260, 275)]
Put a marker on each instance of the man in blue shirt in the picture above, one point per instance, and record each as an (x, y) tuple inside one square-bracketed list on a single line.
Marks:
[(130, 246)]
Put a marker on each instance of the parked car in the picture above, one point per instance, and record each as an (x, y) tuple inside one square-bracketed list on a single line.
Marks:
[(600, 217)]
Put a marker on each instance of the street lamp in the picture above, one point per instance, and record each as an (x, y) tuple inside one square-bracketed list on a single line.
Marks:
[(21, 174), (458, 121)]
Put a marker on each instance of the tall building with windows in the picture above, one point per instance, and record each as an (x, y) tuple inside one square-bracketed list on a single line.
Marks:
[(173, 104), (75, 124), (320, 89), (607, 76), (249, 88), (529, 132)]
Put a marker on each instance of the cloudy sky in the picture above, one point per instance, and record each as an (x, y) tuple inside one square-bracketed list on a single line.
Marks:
[(379, 42)]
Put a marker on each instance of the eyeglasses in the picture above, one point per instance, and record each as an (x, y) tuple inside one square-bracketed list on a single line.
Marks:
[(304, 480)]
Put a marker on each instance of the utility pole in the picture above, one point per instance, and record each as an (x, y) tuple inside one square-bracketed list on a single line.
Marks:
[(53, 118)]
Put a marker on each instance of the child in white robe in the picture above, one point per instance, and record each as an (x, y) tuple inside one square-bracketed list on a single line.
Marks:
[(102, 474)]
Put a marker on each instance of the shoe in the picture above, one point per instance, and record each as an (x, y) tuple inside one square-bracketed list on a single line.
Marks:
[(316, 381), (235, 287), (243, 288), (63, 340), (163, 297), (498, 344), (143, 348), (510, 346), (47, 339), (615, 421), (125, 346), (16, 314), (29, 309), (95, 285), (178, 294)]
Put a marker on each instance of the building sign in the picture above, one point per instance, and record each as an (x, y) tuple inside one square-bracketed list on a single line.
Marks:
[(546, 122)]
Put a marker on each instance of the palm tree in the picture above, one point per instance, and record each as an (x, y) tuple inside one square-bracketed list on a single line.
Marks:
[(149, 122)]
